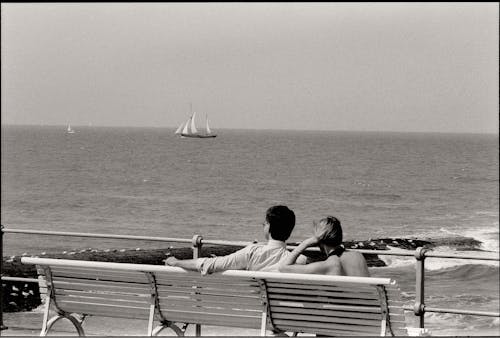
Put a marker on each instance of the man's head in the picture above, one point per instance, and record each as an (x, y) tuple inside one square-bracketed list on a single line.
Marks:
[(328, 231), (280, 221)]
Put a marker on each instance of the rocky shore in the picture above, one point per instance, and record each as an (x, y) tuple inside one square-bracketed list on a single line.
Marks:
[(24, 296)]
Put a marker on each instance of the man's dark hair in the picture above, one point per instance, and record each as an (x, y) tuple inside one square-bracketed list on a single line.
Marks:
[(281, 222)]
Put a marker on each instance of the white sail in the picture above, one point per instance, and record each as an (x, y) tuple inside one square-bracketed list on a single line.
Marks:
[(178, 131), (69, 130), (193, 127), (208, 128), (186, 127)]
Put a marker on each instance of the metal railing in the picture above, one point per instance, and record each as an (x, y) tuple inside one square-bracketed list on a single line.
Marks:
[(419, 308)]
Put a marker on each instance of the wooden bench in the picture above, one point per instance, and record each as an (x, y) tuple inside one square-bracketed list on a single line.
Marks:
[(174, 298)]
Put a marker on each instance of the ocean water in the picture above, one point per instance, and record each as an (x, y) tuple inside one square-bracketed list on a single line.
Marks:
[(146, 181)]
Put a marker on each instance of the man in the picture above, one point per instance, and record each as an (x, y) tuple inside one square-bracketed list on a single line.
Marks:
[(327, 234), (278, 227)]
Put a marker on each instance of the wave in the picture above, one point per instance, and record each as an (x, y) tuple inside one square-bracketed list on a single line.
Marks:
[(470, 179), (487, 236), (376, 197), (463, 325), (432, 264), (482, 242), (473, 272)]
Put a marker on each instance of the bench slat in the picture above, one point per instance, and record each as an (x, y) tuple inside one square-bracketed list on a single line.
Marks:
[(235, 288), (138, 278), (283, 323), (327, 319), (102, 294), (370, 291), (341, 294), (361, 288), (165, 297), (102, 279), (371, 309), (190, 291), (191, 303), (338, 284), (104, 310), (206, 318), (321, 300), (162, 277), (219, 288), (79, 284), (119, 291), (93, 271), (344, 313), (234, 310), (137, 301)]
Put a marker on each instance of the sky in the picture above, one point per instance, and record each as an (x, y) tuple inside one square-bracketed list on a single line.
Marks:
[(406, 67)]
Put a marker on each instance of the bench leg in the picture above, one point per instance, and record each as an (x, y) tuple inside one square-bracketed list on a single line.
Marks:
[(54, 319), (178, 331)]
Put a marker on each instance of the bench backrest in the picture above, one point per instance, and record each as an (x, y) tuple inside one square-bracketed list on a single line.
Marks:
[(331, 305), (97, 291)]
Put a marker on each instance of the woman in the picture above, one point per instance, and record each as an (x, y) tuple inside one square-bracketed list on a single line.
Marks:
[(327, 234)]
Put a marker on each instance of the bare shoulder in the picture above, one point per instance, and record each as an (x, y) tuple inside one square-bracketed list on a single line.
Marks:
[(333, 266), (352, 255), (354, 264)]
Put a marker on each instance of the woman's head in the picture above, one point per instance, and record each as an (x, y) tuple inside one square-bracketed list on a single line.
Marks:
[(328, 231)]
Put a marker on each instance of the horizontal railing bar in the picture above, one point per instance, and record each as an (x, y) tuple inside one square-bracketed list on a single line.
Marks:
[(220, 242), (439, 255), (236, 243), (462, 312), (20, 279), (384, 252), (455, 311), (95, 235)]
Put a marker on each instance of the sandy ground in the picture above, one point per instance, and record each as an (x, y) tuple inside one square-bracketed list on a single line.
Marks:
[(30, 323)]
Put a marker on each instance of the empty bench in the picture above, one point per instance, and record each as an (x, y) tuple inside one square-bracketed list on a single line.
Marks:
[(170, 297)]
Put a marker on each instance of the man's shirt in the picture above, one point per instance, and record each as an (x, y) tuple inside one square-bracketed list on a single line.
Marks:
[(254, 257)]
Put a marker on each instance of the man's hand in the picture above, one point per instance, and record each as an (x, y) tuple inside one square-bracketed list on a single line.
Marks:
[(311, 241), (171, 261)]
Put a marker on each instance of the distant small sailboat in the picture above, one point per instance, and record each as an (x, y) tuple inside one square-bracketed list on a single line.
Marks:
[(188, 129), (69, 130)]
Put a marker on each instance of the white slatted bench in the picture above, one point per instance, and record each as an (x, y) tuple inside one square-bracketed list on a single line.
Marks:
[(174, 298)]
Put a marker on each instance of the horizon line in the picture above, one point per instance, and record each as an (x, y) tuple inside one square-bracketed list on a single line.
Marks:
[(258, 129)]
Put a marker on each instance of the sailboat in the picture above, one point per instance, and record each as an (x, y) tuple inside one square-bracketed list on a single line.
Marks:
[(188, 129), (69, 130)]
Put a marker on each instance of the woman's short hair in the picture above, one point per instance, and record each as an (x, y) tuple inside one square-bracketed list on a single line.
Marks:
[(328, 231)]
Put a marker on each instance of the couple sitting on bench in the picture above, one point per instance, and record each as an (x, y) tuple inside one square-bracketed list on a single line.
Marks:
[(273, 256)]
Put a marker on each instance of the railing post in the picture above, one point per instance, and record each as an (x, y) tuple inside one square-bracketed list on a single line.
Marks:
[(196, 254), (419, 307), (197, 245), (2, 327)]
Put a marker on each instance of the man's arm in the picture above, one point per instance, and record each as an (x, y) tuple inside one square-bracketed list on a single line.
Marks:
[(237, 260), (297, 252), (188, 264)]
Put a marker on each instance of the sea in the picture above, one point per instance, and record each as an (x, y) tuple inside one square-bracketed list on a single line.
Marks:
[(150, 182)]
